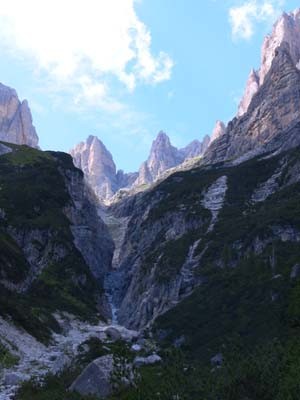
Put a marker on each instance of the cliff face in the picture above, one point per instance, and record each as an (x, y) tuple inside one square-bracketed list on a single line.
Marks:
[(252, 87), (98, 166), (273, 110), (15, 119), (55, 249), (286, 29)]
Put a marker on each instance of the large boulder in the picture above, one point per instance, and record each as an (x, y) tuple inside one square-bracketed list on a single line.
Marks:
[(95, 378)]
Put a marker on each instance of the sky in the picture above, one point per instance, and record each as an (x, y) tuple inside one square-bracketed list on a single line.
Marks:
[(125, 69)]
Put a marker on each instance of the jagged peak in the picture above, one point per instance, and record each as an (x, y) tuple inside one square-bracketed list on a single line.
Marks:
[(285, 29), (161, 139), (218, 131), (15, 119)]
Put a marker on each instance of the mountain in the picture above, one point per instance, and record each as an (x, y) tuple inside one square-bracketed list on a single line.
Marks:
[(15, 119), (252, 87), (162, 157), (199, 272), (286, 29), (218, 131), (273, 110), (98, 166)]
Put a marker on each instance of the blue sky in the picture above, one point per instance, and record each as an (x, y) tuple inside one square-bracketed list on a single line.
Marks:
[(125, 69)]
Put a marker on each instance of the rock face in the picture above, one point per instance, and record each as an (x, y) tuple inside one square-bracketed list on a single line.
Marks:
[(286, 29), (97, 164), (195, 148), (99, 169), (252, 86), (162, 156), (15, 119), (91, 236), (51, 229), (273, 111), (218, 131)]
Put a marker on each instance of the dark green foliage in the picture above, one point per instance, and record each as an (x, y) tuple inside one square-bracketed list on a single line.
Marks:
[(13, 265), (54, 388), (7, 359), (67, 285)]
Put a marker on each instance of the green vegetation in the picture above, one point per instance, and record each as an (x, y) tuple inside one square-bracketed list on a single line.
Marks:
[(7, 359), (54, 388)]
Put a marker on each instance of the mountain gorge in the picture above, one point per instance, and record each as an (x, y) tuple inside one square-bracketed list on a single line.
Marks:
[(186, 287)]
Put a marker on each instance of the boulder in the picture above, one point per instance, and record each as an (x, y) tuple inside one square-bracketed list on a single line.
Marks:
[(113, 334), (150, 360), (95, 378)]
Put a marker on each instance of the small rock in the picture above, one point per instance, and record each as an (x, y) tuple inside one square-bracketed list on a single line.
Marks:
[(140, 361), (136, 347), (217, 360)]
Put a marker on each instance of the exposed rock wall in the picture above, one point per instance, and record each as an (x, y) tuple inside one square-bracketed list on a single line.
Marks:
[(274, 109), (15, 119)]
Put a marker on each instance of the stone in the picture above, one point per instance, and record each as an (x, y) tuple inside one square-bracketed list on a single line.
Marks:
[(113, 334), (217, 360), (96, 378), (150, 360), (136, 347)]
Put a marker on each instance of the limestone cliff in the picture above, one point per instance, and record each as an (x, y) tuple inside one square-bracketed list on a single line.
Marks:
[(15, 119)]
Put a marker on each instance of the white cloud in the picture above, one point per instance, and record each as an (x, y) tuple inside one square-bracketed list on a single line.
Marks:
[(85, 42), (244, 17)]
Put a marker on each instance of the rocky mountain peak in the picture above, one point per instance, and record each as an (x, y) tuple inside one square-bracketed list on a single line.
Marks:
[(273, 110), (15, 119), (218, 131), (286, 29), (162, 156), (97, 164), (251, 88), (161, 143)]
